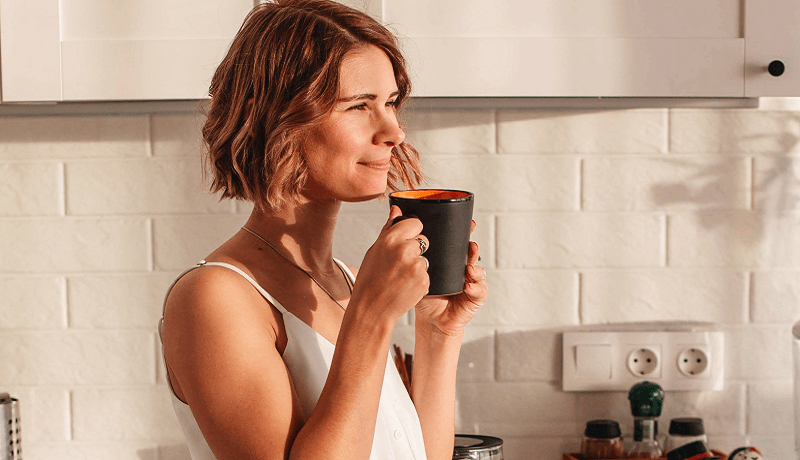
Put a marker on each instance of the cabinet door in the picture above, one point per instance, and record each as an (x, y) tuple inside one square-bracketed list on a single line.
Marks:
[(30, 50), (772, 32), (102, 50), (145, 49), (572, 48), (574, 67)]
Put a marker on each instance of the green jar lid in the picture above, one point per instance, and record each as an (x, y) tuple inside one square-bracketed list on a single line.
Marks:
[(646, 399)]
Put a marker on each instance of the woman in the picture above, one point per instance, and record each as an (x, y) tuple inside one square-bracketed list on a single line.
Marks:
[(273, 349)]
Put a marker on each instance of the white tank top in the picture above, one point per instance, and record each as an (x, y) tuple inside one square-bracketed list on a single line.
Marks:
[(398, 435)]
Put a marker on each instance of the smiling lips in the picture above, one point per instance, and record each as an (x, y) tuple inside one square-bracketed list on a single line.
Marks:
[(378, 164)]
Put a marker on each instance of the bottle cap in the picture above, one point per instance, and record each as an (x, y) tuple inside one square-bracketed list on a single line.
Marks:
[(646, 399), (745, 453), (686, 426), (602, 429), (693, 450)]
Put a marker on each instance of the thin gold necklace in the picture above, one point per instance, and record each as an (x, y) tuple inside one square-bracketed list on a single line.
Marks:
[(346, 278)]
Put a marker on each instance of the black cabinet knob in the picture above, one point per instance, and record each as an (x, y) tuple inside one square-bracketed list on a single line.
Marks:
[(776, 68)]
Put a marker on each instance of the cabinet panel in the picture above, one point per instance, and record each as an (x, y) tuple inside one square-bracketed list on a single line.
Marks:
[(140, 70), (75, 50), (151, 19), (773, 33), (30, 50), (566, 18), (54, 50), (565, 67)]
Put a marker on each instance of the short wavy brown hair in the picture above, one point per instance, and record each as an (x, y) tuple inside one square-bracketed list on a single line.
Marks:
[(279, 80)]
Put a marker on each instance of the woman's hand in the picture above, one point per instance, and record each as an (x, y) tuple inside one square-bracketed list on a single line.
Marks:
[(393, 276), (449, 314)]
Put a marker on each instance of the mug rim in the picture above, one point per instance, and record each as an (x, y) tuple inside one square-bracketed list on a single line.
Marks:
[(421, 195)]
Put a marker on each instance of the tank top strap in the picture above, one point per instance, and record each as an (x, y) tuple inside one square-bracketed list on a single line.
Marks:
[(346, 270), (244, 275), (253, 282)]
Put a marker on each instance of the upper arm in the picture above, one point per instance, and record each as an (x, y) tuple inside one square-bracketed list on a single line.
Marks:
[(220, 344)]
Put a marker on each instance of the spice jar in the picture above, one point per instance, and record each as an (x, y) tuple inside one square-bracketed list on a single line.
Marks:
[(694, 450), (602, 439), (646, 400), (684, 430)]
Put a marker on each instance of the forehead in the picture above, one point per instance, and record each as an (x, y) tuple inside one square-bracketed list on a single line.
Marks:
[(367, 68)]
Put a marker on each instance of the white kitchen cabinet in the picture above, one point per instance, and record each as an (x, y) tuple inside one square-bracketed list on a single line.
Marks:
[(591, 48), (88, 50), (772, 32)]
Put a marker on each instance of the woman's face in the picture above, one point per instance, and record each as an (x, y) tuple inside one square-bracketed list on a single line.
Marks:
[(348, 156)]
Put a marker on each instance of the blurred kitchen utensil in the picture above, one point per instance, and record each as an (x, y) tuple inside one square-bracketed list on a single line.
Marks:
[(9, 433), (477, 447)]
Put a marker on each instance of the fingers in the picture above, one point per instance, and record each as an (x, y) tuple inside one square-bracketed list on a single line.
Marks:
[(476, 289), (475, 274), (405, 225), (394, 213), (408, 229), (474, 254)]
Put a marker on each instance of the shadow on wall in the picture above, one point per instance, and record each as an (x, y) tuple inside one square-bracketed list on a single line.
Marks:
[(773, 189), (778, 181)]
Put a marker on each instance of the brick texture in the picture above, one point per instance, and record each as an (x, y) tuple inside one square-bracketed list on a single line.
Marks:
[(635, 183), (585, 217), (31, 189)]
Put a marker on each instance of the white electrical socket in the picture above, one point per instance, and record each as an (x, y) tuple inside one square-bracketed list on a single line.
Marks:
[(692, 362), (645, 361), (615, 360)]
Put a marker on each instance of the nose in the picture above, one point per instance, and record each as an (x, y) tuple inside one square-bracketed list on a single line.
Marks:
[(388, 131)]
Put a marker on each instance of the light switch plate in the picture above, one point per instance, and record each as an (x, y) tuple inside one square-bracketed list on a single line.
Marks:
[(616, 360), (593, 362)]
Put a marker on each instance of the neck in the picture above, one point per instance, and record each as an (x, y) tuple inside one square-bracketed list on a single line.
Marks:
[(303, 233)]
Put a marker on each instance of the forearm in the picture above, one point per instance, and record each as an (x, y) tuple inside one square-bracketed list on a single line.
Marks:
[(343, 423), (434, 388)]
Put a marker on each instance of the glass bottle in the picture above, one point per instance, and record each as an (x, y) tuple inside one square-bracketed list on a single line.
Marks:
[(645, 441), (602, 439), (683, 430), (646, 400)]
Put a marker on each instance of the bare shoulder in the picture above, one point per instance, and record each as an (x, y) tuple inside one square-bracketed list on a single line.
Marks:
[(211, 299), (222, 355), (210, 289)]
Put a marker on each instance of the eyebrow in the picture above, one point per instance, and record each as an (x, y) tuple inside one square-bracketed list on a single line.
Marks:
[(362, 96)]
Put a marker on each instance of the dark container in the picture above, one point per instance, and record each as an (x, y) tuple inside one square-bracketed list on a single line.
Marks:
[(446, 217), (602, 439), (695, 450), (477, 447)]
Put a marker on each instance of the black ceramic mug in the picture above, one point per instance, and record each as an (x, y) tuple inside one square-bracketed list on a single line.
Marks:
[(446, 217)]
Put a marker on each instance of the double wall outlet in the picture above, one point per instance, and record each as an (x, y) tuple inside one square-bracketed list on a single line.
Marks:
[(611, 361)]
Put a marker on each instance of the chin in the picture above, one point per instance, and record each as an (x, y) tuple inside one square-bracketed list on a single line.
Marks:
[(369, 190), (367, 197)]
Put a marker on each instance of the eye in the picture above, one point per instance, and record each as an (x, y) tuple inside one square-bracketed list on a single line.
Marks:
[(361, 106), (392, 103)]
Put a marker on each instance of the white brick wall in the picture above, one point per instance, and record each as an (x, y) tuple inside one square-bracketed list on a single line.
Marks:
[(584, 217)]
